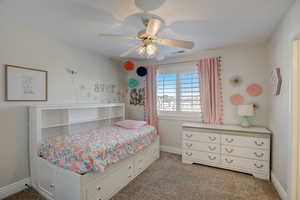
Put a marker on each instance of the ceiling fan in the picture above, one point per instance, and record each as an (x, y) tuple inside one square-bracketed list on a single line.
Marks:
[(148, 38)]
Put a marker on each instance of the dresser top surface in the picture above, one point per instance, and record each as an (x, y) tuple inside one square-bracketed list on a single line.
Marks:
[(235, 128)]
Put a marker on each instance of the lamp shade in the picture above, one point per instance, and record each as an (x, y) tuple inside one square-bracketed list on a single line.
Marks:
[(246, 110)]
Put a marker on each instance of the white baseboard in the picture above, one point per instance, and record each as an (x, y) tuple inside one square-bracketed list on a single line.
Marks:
[(170, 149), (281, 191), (14, 188)]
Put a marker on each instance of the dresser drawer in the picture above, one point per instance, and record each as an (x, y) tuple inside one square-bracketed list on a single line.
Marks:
[(258, 154), (201, 146), (201, 136), (199, 156), (245, 164), (246, 141)]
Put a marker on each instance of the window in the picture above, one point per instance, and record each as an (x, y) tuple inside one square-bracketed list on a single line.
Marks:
[(178, 90)]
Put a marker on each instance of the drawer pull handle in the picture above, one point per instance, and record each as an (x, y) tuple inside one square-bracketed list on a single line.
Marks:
[(212, 157), (258, 155), (259, 144), (229, 150), (188, 144), (129, 167), (52, 186), (99, 188), (189, 135), (258, 166), (212, 138), (188, 153), (212, 148), (229, 140), (228, 161)]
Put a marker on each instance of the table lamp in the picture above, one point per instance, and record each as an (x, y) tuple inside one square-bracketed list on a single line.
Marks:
[(246, 111)]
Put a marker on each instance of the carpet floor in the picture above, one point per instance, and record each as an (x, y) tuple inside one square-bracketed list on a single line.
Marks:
[(169, 179)]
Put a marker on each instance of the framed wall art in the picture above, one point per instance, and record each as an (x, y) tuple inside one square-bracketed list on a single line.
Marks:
[(25, 84), (276, 81)]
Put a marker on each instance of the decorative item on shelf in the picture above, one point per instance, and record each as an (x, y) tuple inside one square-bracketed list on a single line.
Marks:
[(128, 65), (276, 81), (132, 83), (236, 81), (141, 71), (137, 96), (236, 99), (25, 84), (246, 111), (254, 90)]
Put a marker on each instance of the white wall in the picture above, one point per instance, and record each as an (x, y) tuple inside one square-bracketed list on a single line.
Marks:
[(250, 62), (20, 45), (280, 51)]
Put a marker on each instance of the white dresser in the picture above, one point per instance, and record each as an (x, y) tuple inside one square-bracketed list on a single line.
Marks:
[(228, 146)]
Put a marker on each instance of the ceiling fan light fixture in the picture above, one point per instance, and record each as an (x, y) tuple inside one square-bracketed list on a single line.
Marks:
[(151, 50)]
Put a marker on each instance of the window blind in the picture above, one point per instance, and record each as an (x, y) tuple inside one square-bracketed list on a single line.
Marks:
[(178, 91)]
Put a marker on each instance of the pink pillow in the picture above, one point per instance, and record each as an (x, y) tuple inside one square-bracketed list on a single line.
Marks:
[(131, 124)]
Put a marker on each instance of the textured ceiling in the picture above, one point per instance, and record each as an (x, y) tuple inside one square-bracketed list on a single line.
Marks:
[(209, 23)]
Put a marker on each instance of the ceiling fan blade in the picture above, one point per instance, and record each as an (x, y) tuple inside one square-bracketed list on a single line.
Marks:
[(119, 36), (176, 43), (153, 26), (132, 49)]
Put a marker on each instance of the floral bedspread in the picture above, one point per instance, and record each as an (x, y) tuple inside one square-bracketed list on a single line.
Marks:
[(96, 149)]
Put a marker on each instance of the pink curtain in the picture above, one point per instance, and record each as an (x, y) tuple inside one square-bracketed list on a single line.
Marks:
[(211, 90), (150, 97)]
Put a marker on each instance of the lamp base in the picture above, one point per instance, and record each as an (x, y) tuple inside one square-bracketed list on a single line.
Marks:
[(245, 123)]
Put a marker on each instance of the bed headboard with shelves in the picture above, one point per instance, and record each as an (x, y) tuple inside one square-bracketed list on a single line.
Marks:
[(53, 120)]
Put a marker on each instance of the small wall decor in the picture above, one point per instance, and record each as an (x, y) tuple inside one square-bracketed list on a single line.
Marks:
[(254, 90), (141, 71), (237, 99), (132, 83), (236, 81), (25, 84), (137, 96), (128, 65), (276, 81)]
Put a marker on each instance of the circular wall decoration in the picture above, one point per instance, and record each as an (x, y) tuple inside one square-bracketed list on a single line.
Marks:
[(236, 99), (132, 83), (141, 71), (254, 90), (128, 65)]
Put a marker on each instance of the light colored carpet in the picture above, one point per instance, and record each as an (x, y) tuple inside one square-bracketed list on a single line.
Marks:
[(169, 179)]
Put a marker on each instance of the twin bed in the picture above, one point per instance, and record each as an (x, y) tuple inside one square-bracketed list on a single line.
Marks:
[(86, 157)]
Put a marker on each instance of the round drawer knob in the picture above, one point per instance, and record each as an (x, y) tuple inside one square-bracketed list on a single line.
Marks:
[(98, 188)]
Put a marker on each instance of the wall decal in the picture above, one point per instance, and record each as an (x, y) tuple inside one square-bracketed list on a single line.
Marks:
[(128, 65), (132, 83), (276, 81), (141, 71), (237, 99), (254, 90)]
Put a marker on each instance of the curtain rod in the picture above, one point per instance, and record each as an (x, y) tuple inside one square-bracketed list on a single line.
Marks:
[(187, 61)]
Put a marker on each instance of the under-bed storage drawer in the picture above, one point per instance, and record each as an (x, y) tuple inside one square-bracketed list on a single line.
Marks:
[(106, 186)]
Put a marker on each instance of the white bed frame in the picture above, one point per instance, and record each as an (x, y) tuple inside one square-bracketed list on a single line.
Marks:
[(56, 183)]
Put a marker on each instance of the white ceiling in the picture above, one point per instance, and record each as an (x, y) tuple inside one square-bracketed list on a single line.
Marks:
[(209, 23)]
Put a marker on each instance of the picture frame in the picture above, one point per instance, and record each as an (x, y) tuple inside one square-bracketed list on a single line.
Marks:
[(276, 81), (25, 84)]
